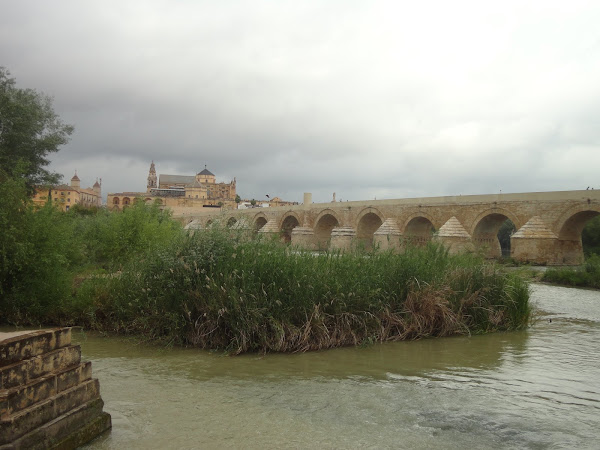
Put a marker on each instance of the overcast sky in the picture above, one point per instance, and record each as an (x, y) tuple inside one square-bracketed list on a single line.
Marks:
[(385, 99)]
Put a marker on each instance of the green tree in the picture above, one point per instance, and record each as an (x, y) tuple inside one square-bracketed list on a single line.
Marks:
[(29, 131), (590, 237), (253, 202), (238, 199), (38, 251), (504, 234)]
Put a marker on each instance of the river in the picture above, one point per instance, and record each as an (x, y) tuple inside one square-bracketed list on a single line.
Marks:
[(535, 389)]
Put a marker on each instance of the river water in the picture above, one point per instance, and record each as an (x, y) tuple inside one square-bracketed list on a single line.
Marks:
[(536, 389)]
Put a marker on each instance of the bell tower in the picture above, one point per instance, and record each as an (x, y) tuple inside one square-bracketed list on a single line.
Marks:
[(75, 181), (151, 178)]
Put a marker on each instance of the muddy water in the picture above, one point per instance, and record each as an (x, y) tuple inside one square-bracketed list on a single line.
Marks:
[(535, 389)]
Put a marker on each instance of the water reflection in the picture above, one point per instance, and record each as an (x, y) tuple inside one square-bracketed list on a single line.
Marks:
[(375, 362)]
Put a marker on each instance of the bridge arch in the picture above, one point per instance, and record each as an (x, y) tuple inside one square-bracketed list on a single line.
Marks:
[(368, 222), (485, 228), (571, 222), (502, 211), (231, 222), (418, 228), (260, 220), (326, 221), (289, 221), (569, 228)]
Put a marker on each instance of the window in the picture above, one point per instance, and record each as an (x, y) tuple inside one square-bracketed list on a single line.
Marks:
[(69, 200)]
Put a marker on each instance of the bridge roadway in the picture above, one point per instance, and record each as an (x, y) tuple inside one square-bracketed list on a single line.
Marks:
[(548, 224)]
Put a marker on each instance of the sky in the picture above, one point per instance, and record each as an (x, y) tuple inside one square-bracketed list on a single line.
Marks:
[(367, 99)]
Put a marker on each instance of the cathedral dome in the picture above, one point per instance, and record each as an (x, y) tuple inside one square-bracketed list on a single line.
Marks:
[(206, 172)]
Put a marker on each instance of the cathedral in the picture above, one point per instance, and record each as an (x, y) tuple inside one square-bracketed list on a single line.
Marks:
[(180, 191)]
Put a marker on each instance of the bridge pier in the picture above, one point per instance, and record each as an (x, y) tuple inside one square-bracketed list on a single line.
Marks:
[(543, 251), (454, 236), (570, 252), (270, 229), (535, 243), (342, 238), (388, 236), (304, 237)]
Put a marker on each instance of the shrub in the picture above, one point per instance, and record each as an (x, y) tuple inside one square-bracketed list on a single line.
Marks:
[(588, 275), (216, 291)]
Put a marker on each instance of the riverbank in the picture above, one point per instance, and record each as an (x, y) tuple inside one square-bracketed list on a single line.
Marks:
[(587, 275), (138, 273)]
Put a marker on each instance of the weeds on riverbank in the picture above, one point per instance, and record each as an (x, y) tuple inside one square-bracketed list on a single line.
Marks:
[(215, 290), (588, 275)]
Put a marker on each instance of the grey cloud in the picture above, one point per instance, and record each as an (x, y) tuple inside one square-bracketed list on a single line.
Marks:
[(379, 99)]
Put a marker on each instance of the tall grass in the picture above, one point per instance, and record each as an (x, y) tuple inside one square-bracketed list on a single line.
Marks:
[(587, 275), (216, 291)]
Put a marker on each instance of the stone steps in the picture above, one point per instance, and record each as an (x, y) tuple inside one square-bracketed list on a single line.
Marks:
[(20, 397), (48, 397), (30, 344), (66, 431), (22, 372)]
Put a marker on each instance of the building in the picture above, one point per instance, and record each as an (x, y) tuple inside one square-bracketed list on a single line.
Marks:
[(67, 196), (180, 191), (275, 201)]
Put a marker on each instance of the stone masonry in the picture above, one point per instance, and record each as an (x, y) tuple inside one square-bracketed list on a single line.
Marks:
[(48, 398), (548, 224)]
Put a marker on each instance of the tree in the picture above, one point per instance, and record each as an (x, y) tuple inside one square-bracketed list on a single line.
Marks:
[(29, 131), (238, 199), (504, 233), (590, 237), (253, 202)]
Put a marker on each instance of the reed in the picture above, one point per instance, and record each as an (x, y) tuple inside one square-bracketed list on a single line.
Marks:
[(216, 290)]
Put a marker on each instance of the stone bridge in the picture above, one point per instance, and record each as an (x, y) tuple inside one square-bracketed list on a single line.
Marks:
[(548, 224)]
